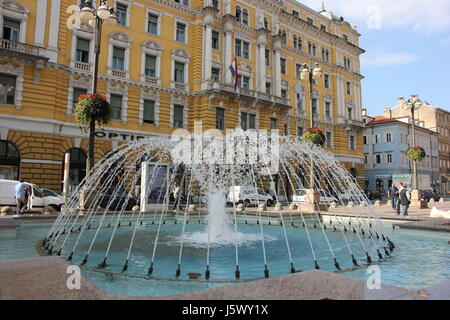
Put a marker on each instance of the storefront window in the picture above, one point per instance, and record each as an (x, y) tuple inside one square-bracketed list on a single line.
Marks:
[(9, 161), (77, 167)]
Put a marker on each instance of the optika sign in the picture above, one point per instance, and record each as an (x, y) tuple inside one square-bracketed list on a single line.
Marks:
[(252, 147), (117, 136)]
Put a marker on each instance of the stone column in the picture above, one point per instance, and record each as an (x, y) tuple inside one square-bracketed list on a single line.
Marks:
[(228, 51), (207, 50), (261, 70), (277, 67)]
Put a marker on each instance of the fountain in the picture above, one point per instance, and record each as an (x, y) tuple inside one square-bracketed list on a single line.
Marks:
[(208, 239)]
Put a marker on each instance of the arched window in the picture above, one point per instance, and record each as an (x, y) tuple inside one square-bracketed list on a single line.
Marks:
[(77, 167), (9, 161), (238, 13), (245, 16), (266, 23)]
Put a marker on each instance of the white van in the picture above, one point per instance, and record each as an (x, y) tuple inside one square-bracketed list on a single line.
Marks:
[(325, 197), (38, 199), (248, 195)]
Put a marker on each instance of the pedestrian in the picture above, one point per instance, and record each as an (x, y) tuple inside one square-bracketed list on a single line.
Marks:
[(20, 189), (398, 204), (393, 195), (405, 199), (176, 195)]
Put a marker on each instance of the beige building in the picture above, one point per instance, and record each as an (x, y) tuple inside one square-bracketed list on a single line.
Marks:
[(438, 120)]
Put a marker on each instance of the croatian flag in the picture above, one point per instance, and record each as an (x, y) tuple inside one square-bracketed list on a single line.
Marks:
[(234, 72)]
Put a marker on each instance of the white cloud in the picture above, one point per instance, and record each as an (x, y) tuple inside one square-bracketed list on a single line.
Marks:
[(380, 57), (418, 15)]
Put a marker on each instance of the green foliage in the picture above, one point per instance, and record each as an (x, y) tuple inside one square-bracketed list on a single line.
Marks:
[(416, 153), (91, 107), (315, 136)]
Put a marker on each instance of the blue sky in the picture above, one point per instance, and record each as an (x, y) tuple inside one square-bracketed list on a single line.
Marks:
[(407, 45)]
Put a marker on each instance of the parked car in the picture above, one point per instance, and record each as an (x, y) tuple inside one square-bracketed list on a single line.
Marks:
[(39, 199), (121, 199), (248, 195), (429, 194), (325, 196)]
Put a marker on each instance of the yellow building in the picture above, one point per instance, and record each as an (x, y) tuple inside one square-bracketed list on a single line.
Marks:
[(166, 65)]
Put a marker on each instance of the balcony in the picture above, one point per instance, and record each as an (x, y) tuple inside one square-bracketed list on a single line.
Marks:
[(119, 73), (26, 51), (354, 123), (83, 66), (249, 94)]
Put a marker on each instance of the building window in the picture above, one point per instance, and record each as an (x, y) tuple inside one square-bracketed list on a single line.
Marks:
[(184, 2), (9, 161), (389, 137), (310, 21), (244, 82), (266, 23), (328, 109), (7, 89), (377, 139), (77, 92), (116, 106), (273, 123), (326, 81), (352, 144), (268, 88), (220, 118), (238, 13), (77, 167), (82, 52), (181, 32), (149, 112), (325, 54), (248, 121), (312, 48), (178, 116), (389, 158), (350, 113), (215, 4), (323, 27), (216, 40), (378, 158), (329, 140), (267, 56), (314, 106), (121, 10), (179, 72), (11, 29), (150, 66), (295, 13), (298, 70), (118, 59), (345, 37), (283, 65), (242, 48), (284, 93), (365, 140), (299, 130), (215, 74), (297, 42), (245, 16), (349, 88), (153, 23)]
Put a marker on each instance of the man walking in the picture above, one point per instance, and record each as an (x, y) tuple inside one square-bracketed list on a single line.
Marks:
[(393, 195), (20, 196), (398, 204), (405, 199)]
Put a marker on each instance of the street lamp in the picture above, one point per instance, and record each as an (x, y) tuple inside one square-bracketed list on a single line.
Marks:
[(413, 103), (96, 17), (314, 73)]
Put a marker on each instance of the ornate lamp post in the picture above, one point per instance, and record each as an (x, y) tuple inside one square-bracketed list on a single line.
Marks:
[(314, 73), (413, 103), (96, 17)]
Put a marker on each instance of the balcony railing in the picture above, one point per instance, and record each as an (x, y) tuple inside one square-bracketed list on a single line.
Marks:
[(119, 73), (151, 80), (22, 48), (82, 66)]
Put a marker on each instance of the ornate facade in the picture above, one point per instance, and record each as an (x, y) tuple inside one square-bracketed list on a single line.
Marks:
[(166, 65)]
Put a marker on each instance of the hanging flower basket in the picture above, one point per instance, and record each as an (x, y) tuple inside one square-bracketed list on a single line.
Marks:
[(315, 136), (416, 153), (91, 107)]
